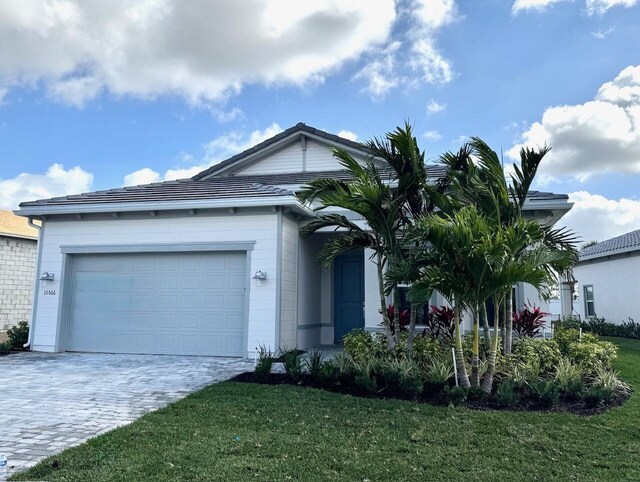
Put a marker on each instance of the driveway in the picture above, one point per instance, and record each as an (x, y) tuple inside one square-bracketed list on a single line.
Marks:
[(49, 402)]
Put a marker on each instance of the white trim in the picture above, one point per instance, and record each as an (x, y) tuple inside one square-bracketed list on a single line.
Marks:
[(134, 206)]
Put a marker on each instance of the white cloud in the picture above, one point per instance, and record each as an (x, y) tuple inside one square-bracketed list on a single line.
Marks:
[(416, 48), (432, 135), (599, 136), (595, 217), (352, 136), (433, 107), (603, 34), (215, 151), (55, 182), (200, 50), (539, 5), (601, 6), (593, 7), (141, 176)]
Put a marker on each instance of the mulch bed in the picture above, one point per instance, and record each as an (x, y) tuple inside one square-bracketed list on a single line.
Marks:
[(575, 407)]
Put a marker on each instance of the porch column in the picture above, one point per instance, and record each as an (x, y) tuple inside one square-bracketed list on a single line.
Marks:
[(372, 316)]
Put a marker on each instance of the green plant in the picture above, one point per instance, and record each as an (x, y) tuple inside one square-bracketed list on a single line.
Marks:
[(292, 364), (403, 375), (19, 334), (453, 395), (592, 354), (569, 378), (328, 375), (440, 323), (361, 345), (545, 353), (544, 393), (594, 397), (5, 347), (529, 321), (314, 363), (345, 367), (364, 376), (609, 382), (264, 363), (506, 394)]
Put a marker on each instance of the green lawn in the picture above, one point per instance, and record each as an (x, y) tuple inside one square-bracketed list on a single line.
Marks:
[(234, 431)]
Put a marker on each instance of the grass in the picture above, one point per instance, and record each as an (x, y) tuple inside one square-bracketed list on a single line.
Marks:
[(233, 431)]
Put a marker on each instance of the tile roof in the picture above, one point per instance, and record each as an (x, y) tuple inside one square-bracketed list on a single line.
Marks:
[(620, 244), (180, 190), (16, 226)]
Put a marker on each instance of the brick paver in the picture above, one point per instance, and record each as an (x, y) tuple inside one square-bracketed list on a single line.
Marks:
[(49, 402)]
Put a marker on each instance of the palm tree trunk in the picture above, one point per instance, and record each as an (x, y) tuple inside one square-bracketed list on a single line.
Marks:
[(396, 312), (485, 325), (503, 317), (463, 379), (508, 336), (412, 328), (475, 357), (487, 381), (383, 305)]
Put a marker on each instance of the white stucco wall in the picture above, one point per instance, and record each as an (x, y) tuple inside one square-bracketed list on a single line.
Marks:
[(289, 283), (165, 228), (616, 288)]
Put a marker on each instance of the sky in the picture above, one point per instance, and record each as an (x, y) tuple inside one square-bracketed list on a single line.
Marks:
[(96, 95)]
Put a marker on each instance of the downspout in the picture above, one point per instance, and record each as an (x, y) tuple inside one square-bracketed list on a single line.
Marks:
[(36, 288)]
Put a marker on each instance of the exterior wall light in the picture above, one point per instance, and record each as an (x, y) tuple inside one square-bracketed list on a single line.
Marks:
[(46, 276), (260, 276)]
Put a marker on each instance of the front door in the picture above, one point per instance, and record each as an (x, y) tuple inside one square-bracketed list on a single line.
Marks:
[(348, 294)]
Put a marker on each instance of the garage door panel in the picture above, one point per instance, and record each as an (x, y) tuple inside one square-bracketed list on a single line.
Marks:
[(164, 303)]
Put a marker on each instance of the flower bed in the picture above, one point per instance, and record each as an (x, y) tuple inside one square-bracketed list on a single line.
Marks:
[(568, 373)]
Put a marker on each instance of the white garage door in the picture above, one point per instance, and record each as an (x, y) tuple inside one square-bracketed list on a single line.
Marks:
[(158, 303)]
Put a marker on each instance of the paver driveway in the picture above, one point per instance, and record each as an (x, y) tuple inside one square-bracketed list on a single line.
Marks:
[(49, 402)]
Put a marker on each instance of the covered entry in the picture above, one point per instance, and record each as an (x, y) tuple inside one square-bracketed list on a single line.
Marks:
[(186, 303)]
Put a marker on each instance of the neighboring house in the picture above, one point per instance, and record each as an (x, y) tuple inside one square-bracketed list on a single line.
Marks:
[(212, 265), (18, 243), (608, 276)]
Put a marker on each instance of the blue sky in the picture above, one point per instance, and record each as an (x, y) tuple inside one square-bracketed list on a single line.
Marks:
[(90, 92)]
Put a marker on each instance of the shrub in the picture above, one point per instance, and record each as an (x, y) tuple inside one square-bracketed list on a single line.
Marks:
[(506, 395), (5, 348), (599, 326), (291, 363), (529, 321), (592, 354), (531, 351), (594, 397), (437, 376), (544, 393), (361, 345), (264, 363), (453, 396), (364, 377), (19, 334), (345, 367), (568, 323), (609, 382), (328, 375), (440, 323), (314, 363), (405, 318), (569, 378), (402, 375), (425, 349)]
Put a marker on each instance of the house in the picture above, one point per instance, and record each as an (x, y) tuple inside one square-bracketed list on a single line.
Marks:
[(608, 279), (18, 243), (212, 265)]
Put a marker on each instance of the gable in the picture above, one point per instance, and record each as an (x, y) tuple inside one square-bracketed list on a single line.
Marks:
[(302, 155)]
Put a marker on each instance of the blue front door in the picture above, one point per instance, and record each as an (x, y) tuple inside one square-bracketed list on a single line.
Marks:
[(348, 294)]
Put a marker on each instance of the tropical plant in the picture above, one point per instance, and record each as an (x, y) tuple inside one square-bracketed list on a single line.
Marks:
[(529, 321), (404, 318), (569, 376), (440, 323), (476, 177), (386, 209), (292, 363), (609, 381), (264, 364), (314, 363)]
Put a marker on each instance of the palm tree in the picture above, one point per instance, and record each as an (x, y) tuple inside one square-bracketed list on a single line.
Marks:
[(368, 195), (476, 177), (389, 205)]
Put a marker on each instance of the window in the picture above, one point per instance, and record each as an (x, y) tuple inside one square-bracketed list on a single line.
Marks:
[(589, 306), (423, 310)]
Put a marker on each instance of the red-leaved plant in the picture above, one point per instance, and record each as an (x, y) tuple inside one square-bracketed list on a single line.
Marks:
[(405, 318), (529, 321), (440, 324)]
